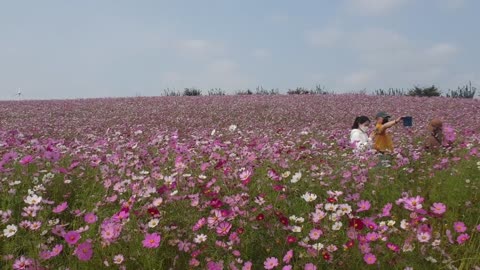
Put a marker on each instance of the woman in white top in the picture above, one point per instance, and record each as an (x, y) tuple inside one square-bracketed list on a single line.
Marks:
[(358, 135)]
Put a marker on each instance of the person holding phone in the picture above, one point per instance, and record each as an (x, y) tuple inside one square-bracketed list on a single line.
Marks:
[(382, 141)]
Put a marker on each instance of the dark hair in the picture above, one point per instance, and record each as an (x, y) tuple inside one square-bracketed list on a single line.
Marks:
[(360, 120)]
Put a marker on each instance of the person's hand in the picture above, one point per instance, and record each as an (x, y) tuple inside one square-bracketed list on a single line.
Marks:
[(398, 119)]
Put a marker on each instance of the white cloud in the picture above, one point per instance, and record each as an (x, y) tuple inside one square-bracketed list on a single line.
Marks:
[(442, 50), (360, 79), (326, 37), (261, 53), (199, 48), (374, 7)]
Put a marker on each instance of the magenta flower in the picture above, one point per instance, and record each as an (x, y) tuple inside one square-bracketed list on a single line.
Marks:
[(288, 256), (287, 267), (438, 208), (386, 210), (462, 238), (270, 263), (72, 237), (151, 240), (223, 228), (363, 206), (310, 266), (369, 258), (84, 251), (60, 208), (26, 160), (90, 218), (459, 226)]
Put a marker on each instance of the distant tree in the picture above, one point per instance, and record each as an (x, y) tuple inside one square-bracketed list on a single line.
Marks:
[(431, 91), (320, 90), (171, 93), (299, 91), (192, 92), (216, 92), (466, 91), (244, 92), (390, 92)]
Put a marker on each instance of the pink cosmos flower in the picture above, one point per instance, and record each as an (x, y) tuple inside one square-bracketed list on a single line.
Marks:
[(424, 237), (72, 237), (287, 267), (60, 208), (22, 263), (459, 226), (270, 263), (84, 251), (90, 218), (462, 238), (26, 160), (223, 228), (413, 203), (288, 256), (369, 258), (214, 266), (310, 266), (363, 206), (438, 208), (56, 250), (247, 265), (151, 240), (315, 234), (393, 247), (386, 210)]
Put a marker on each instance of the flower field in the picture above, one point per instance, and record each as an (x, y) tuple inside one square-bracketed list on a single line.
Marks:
[(235, 182)]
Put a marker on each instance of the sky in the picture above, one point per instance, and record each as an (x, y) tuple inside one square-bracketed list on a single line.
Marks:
[(115, 48)]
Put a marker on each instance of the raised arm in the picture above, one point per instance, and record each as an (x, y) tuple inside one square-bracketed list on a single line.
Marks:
[(391, 123)]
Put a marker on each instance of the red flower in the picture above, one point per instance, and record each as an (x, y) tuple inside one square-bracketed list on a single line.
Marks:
[(260, 217), (350, 244), (153, 211), (331, 200), (240, 230), (327, 256), (356, 223), (291, 239), (284, 221)]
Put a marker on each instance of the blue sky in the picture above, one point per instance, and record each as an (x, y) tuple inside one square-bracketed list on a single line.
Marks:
[(75, 49)]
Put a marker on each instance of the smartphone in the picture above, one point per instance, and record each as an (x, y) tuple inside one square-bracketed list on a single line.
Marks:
[(407, 121)]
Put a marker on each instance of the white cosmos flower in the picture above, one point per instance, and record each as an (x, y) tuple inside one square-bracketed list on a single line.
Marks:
[(337, 225), (299, 220), (296, 229), (232, 128), (309, 197), (331, 207), (153, 223), (157, 202), (345, 208), (296, 177), (33, 199), (390, 223), (200, 238), (317, 246), (10, 231)]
